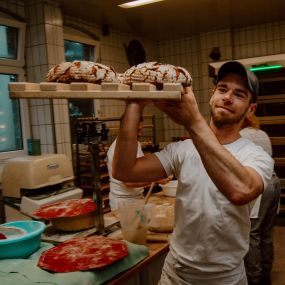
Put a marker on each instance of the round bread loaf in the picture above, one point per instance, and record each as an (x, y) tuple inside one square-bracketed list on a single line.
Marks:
[(69, 215), (75, 223), (81, 71), (157, 74)]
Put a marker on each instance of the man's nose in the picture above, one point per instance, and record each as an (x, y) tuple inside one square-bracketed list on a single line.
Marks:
[(228, 96)]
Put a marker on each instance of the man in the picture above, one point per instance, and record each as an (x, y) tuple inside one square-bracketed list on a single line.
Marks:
[(259, 259), (126, 191), (218, 174), (120, 191)]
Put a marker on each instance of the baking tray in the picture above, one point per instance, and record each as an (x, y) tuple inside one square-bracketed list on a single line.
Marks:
[(81, 90), (55, 236)]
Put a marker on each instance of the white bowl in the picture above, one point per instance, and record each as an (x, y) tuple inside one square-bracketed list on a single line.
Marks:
[(169, 189)]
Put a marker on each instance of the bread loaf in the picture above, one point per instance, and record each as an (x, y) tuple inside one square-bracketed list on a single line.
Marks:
[(81, 71), (157, 74), (69, 215), (76, 223)]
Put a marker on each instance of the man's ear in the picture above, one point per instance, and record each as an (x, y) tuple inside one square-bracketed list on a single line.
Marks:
[(251, 110)]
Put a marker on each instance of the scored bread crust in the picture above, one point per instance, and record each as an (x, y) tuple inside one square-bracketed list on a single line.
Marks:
[(81, 71), (157, 74)]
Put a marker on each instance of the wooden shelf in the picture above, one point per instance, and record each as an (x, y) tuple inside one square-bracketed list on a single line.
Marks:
[(279, 161), (277, 140), (282, 182), (271, 115), (78, 90), (88, 164), (271, 79), (272, 120), (89, 175), (90, 187), (278, 98)]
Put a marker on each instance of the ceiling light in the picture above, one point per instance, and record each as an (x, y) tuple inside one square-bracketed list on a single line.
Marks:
[(137, 3), (265, 67)]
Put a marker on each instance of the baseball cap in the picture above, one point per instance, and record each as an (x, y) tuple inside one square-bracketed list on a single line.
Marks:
[(237, 68)]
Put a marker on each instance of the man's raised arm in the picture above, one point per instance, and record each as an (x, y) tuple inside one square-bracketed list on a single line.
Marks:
[(126, 166)]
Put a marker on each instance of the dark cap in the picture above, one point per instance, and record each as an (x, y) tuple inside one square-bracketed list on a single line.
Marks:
[(237, 68)]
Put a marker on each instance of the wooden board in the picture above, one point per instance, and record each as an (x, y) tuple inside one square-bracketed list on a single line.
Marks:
[(81, 90), (271, 120), (156, 251)]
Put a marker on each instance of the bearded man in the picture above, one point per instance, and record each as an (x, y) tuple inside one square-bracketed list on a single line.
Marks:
[(219, 174)]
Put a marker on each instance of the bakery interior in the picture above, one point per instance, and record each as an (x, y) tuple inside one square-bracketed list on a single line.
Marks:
[(197, 35)]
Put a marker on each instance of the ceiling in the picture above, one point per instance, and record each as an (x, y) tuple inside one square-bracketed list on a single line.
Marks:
[(171, 19)]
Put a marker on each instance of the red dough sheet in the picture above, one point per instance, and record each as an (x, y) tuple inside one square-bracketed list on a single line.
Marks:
[(84, 253), (68, 208)]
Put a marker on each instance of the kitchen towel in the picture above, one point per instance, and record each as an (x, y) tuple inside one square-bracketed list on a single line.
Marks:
[(26, 271)]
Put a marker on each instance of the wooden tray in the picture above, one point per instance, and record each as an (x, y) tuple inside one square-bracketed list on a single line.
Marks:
[(78, 90)]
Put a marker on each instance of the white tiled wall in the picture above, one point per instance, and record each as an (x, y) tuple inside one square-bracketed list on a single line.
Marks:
[(50, 120), (44, 48)]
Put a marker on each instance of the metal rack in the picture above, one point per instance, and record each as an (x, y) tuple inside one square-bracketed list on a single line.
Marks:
[(147, 139), (92, 134), (93, 138)]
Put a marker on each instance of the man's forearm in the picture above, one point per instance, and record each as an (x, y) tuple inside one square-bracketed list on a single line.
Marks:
[(239, 184)]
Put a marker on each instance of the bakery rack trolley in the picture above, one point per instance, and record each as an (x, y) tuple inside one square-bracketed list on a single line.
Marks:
[(92, 133)]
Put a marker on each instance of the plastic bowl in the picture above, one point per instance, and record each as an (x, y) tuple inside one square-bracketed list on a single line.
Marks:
[(22, 246), (169, 189)]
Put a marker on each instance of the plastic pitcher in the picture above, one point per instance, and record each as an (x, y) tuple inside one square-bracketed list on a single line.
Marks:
[(134, 218)]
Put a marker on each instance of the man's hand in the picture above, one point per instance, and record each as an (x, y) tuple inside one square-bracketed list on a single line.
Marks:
[(182, 112), (165, 180), (140, 102)]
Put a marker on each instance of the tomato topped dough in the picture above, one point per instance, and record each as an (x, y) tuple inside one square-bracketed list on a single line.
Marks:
[(83, 253), (68, 208)]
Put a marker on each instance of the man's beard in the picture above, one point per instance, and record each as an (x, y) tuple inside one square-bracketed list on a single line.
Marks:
[(221, 122)]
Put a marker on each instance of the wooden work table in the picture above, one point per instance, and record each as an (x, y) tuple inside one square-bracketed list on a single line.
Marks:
[(156, 251), (148, 270)]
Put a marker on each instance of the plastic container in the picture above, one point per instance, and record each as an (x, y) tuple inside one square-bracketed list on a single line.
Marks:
[(169, 189), (34, 147), (21, 246), (163, 218), (134, 219)]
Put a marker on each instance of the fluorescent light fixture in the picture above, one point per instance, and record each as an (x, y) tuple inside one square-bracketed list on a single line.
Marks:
[(137, 3), (265, 67)]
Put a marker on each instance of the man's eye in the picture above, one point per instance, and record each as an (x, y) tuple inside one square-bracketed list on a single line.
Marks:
[(240, 95), (222, 90)]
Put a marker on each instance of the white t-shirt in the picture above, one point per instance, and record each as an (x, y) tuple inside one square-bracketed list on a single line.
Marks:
[(211, 234), (117, 187), (260, 138)]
